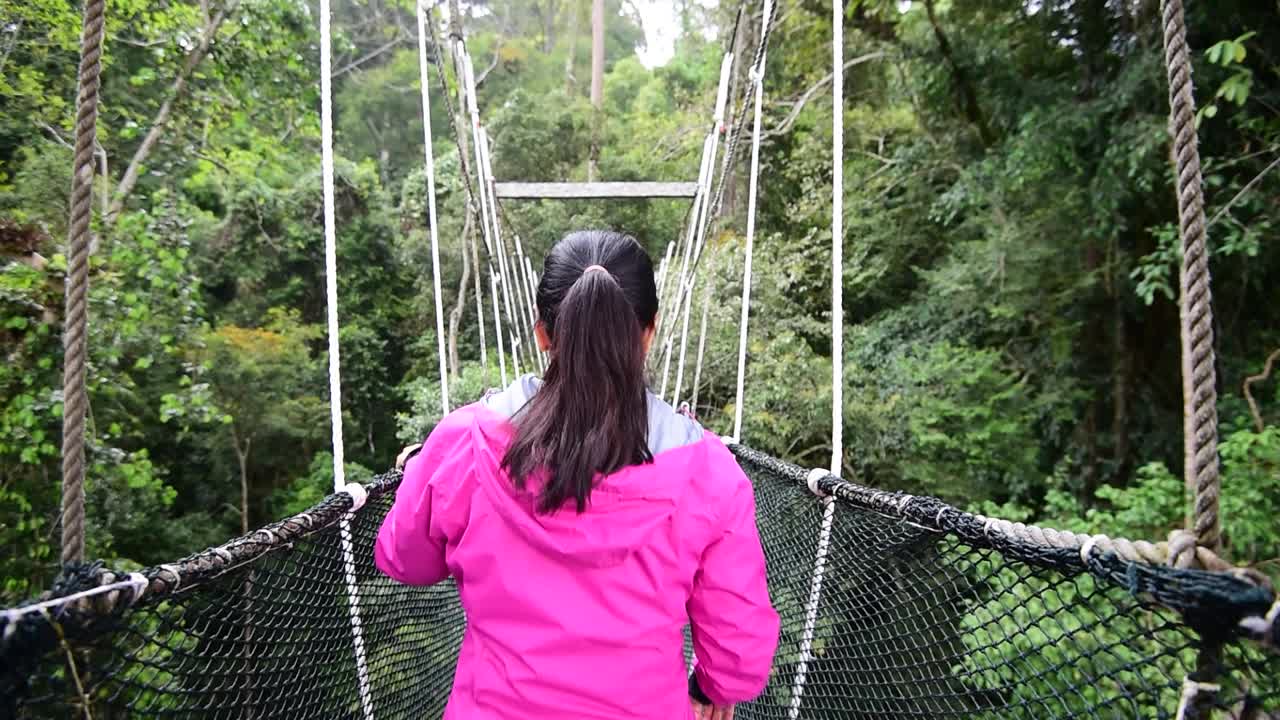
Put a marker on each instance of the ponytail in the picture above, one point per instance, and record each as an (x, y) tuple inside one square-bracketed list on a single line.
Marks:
[(590, 417)]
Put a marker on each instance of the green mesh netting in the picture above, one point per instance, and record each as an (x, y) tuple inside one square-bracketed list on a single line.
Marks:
[(920, 615)]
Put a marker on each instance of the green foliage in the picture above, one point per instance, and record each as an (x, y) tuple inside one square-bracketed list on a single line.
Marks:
[(422, 397)]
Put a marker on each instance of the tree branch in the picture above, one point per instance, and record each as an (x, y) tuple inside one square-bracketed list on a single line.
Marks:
[(785, 126), (968, 95), (480, 78), (1248, 394), (373, 54), (176, 92), (1249, 186), (56, 135)]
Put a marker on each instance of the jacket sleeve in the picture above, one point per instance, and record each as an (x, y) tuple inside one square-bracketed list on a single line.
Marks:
[(735, 628), (411, 545)]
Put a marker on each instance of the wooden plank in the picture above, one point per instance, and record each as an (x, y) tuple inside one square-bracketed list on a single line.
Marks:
[(594, 190)]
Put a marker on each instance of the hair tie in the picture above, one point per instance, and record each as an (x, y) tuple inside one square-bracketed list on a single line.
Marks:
[(597, 268)]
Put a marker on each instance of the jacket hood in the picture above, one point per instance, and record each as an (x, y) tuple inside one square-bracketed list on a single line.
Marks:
[(626, 509)]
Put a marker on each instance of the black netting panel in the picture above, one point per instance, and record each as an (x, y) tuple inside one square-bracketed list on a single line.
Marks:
[(270, 639), (919, 616), (915, 623)]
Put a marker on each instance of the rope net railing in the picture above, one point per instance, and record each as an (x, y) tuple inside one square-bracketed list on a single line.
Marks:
[(924, 612)]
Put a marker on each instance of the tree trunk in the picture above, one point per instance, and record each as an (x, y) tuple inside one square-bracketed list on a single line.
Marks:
[(242, 456), (570, 81), (177, 91), (548, 26), (455, 315), (968, 95), (597, 85), (1121, 382), (460, 112)]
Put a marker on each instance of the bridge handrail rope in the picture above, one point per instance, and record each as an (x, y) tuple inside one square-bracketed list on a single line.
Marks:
[(1135, 564)]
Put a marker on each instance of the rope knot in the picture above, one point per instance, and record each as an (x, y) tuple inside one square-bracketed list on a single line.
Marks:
[(1182, 549), (1266, 629)]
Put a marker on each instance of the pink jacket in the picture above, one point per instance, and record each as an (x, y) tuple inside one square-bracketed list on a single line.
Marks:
[(581, 616)]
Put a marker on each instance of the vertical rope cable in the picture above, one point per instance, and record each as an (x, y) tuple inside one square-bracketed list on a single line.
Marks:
[(510, 299), (837, 236), (815, 597), (330, 245), (1199, 380), (685, 297), (533, 294), (431, 204), (472, 109), (335, 381), (702, 344), (497, 327), (757, 77), (75, 396)]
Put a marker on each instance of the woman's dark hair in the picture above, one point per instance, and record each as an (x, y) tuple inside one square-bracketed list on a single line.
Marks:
[(591, 414)]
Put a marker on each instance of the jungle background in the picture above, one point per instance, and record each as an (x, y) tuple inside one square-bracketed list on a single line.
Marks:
[(1010, 249)]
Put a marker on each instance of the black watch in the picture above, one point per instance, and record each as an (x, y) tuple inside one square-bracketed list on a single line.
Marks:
[(695, 691)]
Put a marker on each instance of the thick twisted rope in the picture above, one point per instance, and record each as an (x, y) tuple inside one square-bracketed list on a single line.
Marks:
[(1199, 391), (74, 340)]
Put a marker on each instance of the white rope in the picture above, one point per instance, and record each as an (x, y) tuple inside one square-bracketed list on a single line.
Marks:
[(468, 85), (522, 280), (757, 76), (666, 366), (475, 143), (664, 266), (837, 237), (510, 302), (497, 327), (484, 350), (533, 293), (353, 603), (703, 217), (359, 495), (431, 205), (136, 582), (811, 607), (684, 338), (1191, 689), (521, 273), (681, 291), (335, 383), (700, 197), (510, 288), (702, 344), (330, 245)]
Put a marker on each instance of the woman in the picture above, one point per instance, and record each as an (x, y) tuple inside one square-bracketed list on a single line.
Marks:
[(586, 523)]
